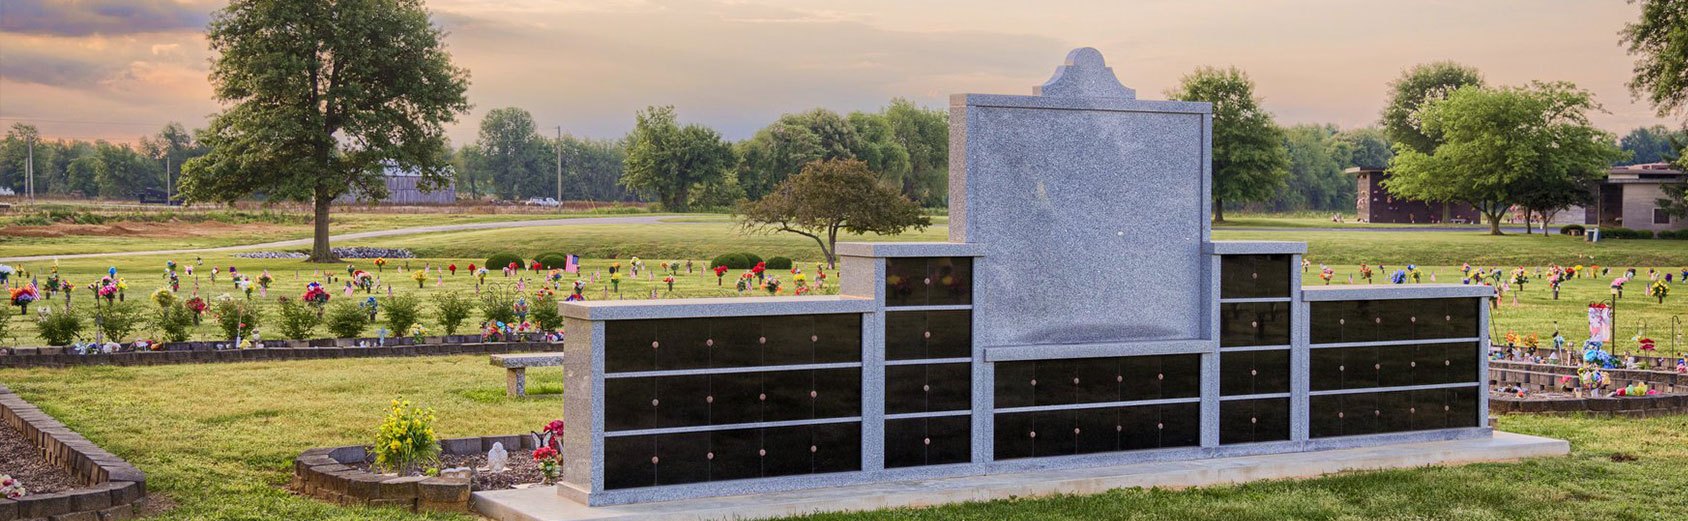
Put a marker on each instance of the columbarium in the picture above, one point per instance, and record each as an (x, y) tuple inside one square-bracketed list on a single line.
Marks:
[(1079, 316)]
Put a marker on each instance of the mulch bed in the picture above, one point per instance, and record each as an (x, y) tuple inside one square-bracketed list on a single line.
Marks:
[(520, 470), (22, 460)]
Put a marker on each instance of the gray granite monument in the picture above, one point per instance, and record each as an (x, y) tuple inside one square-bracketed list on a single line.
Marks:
[(1079, 316)]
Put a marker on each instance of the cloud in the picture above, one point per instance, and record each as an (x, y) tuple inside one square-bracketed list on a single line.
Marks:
[(100, 17)]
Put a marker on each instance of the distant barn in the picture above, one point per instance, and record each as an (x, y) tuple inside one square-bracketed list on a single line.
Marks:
[(403, 188)]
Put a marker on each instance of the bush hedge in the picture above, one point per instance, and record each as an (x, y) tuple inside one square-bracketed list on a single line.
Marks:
[(779, 263), (552, 261), (503, 260), (1676, 235), (1624, 233), (737, 261), (1572, 229)]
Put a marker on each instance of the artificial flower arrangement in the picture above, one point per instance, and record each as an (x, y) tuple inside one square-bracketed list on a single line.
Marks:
[(669, 280), (418, 333), (549, 453), (106, 289), (406, 441), (801, 280), (452, 268), (164, 297), (420, 277), (1659, 289), (720, 272), (1326, 273), (21, 297), (315, 295), (1412, 271), (758, 269), (615, 281), (11, 488), (1618, 286), (264, 280), (772, 284), (381, 264), (197, 306), (579, 287), (244, 284), (1366, 272), (480, 276), (364, 281)]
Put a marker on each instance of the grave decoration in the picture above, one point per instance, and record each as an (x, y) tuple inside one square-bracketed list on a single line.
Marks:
[(945, 359)]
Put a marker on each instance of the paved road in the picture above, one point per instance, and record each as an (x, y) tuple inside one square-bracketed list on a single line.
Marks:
[(635, 219)]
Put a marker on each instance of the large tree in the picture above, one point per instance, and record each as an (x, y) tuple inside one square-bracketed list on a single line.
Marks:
[(1249, 159), (1316, 181), (1659, 41), (320, 95), (1653, 144), (514, 158), (1416, 86), (666, 160), (828, 197), (172, 146), (924, 134), (1497, 145)]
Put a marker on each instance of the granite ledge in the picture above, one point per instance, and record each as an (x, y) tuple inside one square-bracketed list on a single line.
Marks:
[(1066, 103), (1394, 291), (1098, 350), (715, 307), (1256, 248), (910, 249)]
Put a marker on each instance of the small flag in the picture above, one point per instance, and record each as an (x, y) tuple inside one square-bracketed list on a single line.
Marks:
[(572, 264)]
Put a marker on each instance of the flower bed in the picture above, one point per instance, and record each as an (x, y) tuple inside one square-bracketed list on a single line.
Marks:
[(110, 487), (342, 475)]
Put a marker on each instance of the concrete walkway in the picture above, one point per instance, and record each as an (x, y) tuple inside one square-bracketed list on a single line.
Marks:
[(543, 503), (293, 243)]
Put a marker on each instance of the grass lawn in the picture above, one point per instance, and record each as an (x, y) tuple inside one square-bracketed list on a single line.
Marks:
[(700, 237), (219, 440)]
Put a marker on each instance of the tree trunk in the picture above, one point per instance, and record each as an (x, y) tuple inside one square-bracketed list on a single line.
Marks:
[(831, 249), (1528, 229), (1218, 211), (319, 237), (1494, 221)]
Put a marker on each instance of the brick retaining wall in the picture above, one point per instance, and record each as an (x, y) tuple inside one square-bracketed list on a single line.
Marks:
[(1548, 377), (113, 489)]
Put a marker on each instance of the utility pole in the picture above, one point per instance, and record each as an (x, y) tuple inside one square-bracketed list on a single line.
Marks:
[(167, 179), (29, 171), (559, 167)]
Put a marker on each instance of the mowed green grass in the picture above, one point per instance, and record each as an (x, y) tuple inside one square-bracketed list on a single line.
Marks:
[(699, 237), (219, 441)]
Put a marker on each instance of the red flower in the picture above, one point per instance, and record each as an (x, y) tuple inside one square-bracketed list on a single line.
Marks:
[(544, 453)]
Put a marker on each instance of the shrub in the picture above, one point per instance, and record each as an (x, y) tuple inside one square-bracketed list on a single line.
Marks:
[(5, 325), (545, 313), (737, 261), (552, 261), (406, 439), (401, 312), (1675, 235), (778, 263), (345, 319), (500, 260), (237, 318), (498, 306), (297, 319), (61, 327), (117, 320), (450, 310), (1572, 229), (174, 323), (1619, 232)]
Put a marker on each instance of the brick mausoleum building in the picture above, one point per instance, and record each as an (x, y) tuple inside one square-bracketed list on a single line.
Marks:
[(1373, 203)]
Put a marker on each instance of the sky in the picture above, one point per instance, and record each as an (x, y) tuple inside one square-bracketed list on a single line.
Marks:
[(118, 69)]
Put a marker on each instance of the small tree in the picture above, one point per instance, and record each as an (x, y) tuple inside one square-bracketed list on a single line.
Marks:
[(546, 314), (450, 310), (828, 197), (60, 327), (174, 322), (1250, 162), (237, 318)]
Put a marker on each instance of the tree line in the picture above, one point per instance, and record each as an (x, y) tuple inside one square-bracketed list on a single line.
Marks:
[(98, 168)]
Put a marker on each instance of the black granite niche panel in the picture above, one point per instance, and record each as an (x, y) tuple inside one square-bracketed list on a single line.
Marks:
[(1253, 421), (658, 402), (928, 388), (1254, 276), (1389, 320), (1394, 366), (1254, 324), (915, 335), (723, 342), (1097, 380), (1394, 411), (1089, 431), (928, 281), (915, 442), (1253, 372), (694, 457)]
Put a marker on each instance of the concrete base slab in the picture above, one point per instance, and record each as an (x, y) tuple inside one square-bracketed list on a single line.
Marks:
[(543, 503)]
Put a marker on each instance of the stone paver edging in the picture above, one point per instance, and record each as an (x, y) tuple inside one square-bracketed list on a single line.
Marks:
[(327, 474), (113, 489)]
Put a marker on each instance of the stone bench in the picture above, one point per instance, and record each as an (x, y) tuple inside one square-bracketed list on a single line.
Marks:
[(515, 376)]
